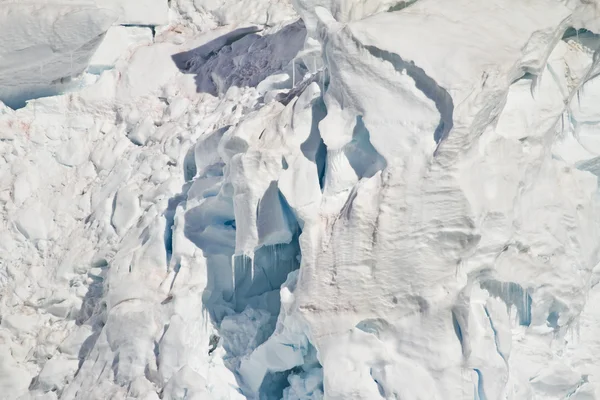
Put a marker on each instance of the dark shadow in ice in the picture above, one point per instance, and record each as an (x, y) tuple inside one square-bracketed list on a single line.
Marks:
[(239, 287), (363, 157), (236, 283), (430, 88), (401, 5), (314, 148), (241, 58), (513, 295)]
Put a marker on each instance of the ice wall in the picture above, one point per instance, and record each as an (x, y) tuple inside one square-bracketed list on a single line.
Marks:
[(45, 46), (48, 44), (447, 272)]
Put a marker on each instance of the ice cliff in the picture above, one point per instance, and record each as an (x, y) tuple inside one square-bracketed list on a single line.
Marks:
[(323, 199)]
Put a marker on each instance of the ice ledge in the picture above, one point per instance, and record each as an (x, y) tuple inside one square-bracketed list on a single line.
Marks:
[(45, 46)]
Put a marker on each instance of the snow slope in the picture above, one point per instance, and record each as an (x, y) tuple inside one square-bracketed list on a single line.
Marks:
[(378, 200)]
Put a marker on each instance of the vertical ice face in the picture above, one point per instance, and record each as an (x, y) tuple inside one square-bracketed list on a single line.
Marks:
[(417, 279), (44, 46)]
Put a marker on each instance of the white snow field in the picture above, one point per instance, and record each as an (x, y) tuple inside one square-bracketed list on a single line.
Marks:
[(305, 200)]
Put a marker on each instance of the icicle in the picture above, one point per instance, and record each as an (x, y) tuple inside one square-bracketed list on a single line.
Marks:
[(233, 271), (205, 317), (525, 309), (322, 81), (294, 73)]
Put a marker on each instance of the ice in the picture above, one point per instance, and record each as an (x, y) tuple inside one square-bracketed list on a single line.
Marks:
[(46, 45), (53, 375), (186, 383), (14, 377), (138, 12), (363, 157), (299, 200), (276, 223), (128, 12), (305, 385), (240, 59), (147, 71), (118, 40), (36, 222), (513, 296), (126, 210), (210, 13)]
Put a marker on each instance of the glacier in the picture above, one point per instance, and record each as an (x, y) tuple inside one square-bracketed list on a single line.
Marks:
[(299, 200)]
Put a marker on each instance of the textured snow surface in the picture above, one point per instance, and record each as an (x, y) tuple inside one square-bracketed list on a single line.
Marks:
[(322, 199), (45, 45)]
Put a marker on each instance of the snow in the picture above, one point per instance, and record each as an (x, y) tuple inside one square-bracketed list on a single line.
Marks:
[(137, 12), (117, 41), (381, 199), (208, 14), (46, 45), (126, 12)]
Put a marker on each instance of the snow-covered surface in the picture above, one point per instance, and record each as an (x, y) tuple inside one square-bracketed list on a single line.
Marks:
[(118, 41), (364, 200), (45, 45), (127, 12), (207, 14), (136, 12)]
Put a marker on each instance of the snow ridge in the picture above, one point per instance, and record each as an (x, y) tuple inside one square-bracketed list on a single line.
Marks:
[(440, 96)]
